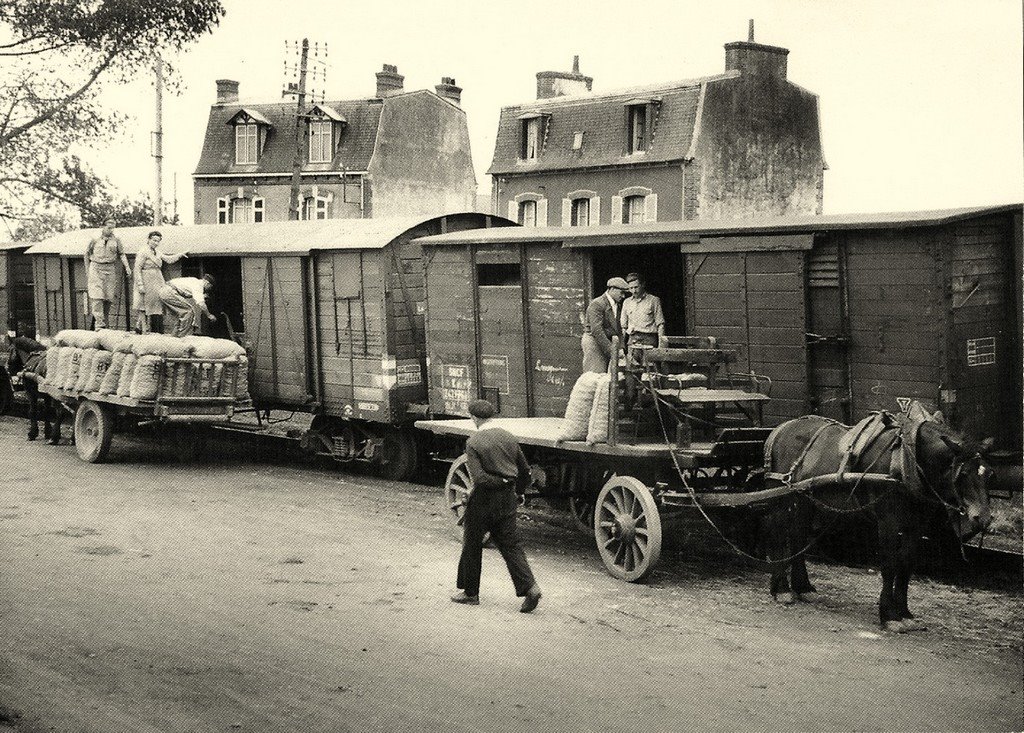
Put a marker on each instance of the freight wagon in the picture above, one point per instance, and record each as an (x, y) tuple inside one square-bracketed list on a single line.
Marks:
[(16, 308), (846, 314)]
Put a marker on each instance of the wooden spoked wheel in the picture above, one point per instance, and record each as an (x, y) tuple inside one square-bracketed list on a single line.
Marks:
[(581, 508), (94, 429), (456, 488), (627, 527)]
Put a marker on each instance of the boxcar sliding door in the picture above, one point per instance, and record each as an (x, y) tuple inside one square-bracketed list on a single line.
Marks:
[(502, 357)]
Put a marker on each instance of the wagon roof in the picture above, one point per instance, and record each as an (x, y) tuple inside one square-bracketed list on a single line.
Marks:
[(4, 246), (693, 230), (275, 237)]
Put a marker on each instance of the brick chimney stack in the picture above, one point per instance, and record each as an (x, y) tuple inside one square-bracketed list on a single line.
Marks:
[(447, 90), (227, 91), (389, 81), (755, 59), (561, 83)]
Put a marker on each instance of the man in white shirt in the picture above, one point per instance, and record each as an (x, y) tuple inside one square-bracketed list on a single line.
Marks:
[(185, 299), (643, 321)]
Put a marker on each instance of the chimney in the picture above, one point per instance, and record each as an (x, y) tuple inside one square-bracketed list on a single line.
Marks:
[(227, 91), (389, 81), (560, 83), (755, 59), (447, 90)]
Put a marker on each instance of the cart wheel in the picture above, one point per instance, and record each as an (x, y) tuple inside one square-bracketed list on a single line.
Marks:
[(581, 508), (456, 486), (94, 429), (6, 392), (189, 443), (628, 528), (399, 455)]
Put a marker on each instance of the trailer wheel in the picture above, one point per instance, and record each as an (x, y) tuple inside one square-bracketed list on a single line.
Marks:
[(581, 508), (458, 484), (399, 455), (94, 429), (627, 527), (6, 392)]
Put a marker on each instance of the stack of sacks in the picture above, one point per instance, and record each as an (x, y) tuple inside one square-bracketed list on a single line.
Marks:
[(85, 370), (124, 380), (150, 350), (577, 412), (145, 377), (211, 348)]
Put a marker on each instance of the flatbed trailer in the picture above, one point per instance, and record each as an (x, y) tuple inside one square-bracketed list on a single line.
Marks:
[(190, 392)]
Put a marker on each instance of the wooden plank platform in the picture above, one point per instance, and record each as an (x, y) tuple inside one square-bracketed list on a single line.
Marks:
[(543, 431), (705, 396)]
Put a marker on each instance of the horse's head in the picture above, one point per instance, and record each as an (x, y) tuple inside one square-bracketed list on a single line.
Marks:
[(958, 473)]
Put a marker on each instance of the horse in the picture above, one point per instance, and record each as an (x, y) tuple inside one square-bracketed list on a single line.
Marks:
[(928, 464), (28, 357)]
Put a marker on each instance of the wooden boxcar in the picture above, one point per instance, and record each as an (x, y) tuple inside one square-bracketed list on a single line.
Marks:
[(16, 301), (331, 313), (845, 314)]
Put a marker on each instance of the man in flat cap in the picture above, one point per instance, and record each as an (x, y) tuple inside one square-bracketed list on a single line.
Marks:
[(601, 323), (102, 278), (499, 471)]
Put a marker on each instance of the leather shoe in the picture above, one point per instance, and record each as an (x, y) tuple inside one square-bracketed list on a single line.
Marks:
[(468, 600), (531, 600)]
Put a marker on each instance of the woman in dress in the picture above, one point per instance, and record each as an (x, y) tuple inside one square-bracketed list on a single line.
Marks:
[(149, 279)]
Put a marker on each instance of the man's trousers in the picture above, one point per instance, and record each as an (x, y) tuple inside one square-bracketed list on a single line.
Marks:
[(494, 511)]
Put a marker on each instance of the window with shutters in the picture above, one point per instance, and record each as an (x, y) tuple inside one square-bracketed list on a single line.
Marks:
[(246, 143), (528, 213), (634, 210), (321, 141), (241, 210), (580, 216), (315, 207)]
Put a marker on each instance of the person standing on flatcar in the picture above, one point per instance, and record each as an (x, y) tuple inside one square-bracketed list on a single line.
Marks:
[(101, 276), (184, 298), (643, 321), (600, 324), (499, 471), (149, 280)]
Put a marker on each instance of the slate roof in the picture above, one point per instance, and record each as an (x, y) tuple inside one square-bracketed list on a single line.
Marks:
[(358, 137), (601, 117), (677, 231), (272, 237)]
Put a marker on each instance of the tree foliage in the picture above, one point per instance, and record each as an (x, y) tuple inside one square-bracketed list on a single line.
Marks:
[(55, 55)]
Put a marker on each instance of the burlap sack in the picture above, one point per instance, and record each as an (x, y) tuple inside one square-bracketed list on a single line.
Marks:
[(77, 337), (64, 354), (124, 346), (577, 412), (100, 366), (210, 348), (124, 381), (597, 431), (113, 375), (158, 344), (145, 378), (73, 367), (110, 338), (52, 357), (85, 369)]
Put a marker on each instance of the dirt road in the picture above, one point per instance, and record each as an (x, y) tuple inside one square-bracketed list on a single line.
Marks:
[(253, 594)]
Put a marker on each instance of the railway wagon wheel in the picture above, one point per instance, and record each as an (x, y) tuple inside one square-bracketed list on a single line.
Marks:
[(627, 527), (94, 429), (399, 455)]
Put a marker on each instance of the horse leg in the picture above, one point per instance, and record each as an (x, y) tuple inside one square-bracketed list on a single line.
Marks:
[(776, 543), (48, 404), (58, 419), (889, 547), (905, 565), (33, 408), (801, 532)]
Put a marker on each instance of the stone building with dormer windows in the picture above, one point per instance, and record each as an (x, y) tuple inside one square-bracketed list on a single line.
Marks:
[(397, 153), (742, 143)]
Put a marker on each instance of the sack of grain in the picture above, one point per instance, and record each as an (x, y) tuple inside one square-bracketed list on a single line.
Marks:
[(124, 381), (113, 375), (145, 378), (158, 344), (124, 346), (64, 354), (110, 338), (85, 369), (211, 348), (100, 366), (52, 357), (77, 337), (597, 431), (73, 367), (577, 412)]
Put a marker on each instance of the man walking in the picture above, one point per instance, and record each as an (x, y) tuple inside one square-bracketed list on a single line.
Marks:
[(101, 276), (601, 322), (499, 471)]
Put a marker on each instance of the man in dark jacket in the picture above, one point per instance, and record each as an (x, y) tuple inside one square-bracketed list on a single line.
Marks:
[(499, 471), (601, 323)]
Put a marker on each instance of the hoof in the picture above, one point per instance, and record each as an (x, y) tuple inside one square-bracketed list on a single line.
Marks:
[(786, 599), (53, 441), (33, 437), (810, 596)]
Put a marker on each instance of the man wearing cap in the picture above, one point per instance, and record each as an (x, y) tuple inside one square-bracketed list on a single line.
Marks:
[(642, 320), (499, 471), (101, 276), (600, 324)]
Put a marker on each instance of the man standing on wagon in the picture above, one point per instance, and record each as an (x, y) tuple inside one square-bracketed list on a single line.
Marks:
[(499, 471), (101, 276), (600, 324), (643, 321), (184, 298)]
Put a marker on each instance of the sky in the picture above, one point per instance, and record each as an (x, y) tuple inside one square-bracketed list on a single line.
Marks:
[(921, 101)]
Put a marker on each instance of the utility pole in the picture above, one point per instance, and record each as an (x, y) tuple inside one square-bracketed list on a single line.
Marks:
[(158, 145), (300, 133)]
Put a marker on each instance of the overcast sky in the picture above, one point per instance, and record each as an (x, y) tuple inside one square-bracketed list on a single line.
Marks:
[(921, 101)]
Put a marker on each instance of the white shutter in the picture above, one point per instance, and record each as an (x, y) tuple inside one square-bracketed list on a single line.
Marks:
[(513, 211), (651, 207), (595, 211), (566, 212), (616, 209), (542, 213)]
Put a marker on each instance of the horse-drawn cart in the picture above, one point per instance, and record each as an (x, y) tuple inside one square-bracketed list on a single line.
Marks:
[(190, 393)]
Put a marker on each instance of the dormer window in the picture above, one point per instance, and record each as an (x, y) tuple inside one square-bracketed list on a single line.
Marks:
[(246, 143), (531, 135), (321, 149), (640, 120)]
